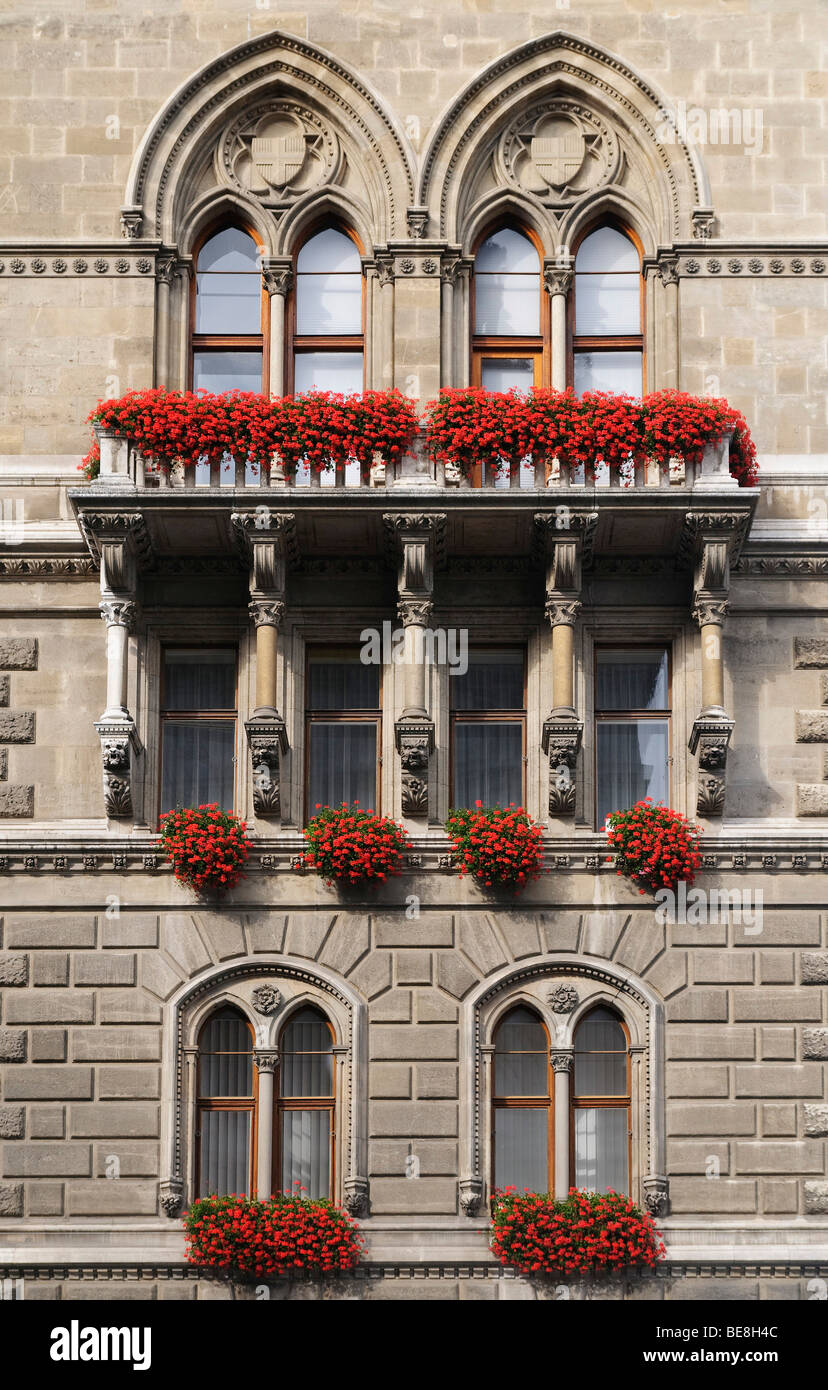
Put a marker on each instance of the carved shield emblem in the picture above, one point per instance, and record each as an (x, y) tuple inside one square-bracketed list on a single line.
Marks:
[(558, 158), (278, 158)]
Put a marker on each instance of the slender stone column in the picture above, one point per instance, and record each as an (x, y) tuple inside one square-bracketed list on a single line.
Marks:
[(557, 277), (184, 271), (267, 614), (415, 616), (563, 615), (562, 1061), (164, 271), (278, 278), (710, 614), (449, 272), (713, 727), (385, 278), (266, 1064), (668, 274), (119, 616), (190, 1084)]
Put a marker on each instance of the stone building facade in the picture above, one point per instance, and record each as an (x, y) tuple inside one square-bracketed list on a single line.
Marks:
[(130, 141)]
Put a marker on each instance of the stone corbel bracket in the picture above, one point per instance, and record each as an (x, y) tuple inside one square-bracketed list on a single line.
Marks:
[(471, 1195), (356, 1200), (416, 544), (711, 738), (119, 741), (415, 744), (267, 542), (551, 529), (119, 544), (268, 741), (561, 741)]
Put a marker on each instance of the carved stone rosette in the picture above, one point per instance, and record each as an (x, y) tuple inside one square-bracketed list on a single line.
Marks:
[(471, 1195), (268, 741), (562, 999), (711, 738), (119, 740), (356, 1200), (656, 1195), (415, 743), (562, 742)]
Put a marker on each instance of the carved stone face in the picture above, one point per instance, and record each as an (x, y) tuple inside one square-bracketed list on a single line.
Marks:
[(414, 756), (115, 755), (713, 755)]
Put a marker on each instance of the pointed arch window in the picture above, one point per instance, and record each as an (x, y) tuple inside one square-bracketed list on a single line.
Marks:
[(305, 1105), (607, 314), (226, 1105), (522, 1104), (327, 315), (230, 315), (509, 321), (601, 1130)]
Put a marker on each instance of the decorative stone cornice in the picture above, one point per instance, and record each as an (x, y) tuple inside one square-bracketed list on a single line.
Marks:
[(29, 567), (701, 527)]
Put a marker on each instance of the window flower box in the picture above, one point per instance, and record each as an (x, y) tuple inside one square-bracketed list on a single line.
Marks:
[(206, 846), (653, 846), (242, 1238), (501, 847), (347, 845), (586, 1235)]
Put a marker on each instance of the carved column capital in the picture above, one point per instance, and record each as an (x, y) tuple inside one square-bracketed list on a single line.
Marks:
[(414, 612), (708, 611), (562, 1061), (416, 218), (561, 612), (384, 263), (277, 275), (266, 1059), (119, 612), (557, 277), (266, 612), (667, 269)]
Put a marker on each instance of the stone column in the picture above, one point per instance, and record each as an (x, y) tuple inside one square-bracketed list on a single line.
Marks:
[(266, 1063), (449, 273), (183, 271), (119, 614), (164, 270), (562, 1061), (278, 278), (562, 729), (712, 729), (384, 368), (557, 276), (670, 367)]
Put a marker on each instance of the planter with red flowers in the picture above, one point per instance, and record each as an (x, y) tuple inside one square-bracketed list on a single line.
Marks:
[(501, 847), (654, 846), (588, 1234), (347, 845), (207, 847), (242, 1238)]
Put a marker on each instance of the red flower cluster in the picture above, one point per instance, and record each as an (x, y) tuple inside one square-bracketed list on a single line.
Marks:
[(207, 846), (654, 846), (242, 1237), (468, 427), (352, 845), (496, 845), (322, 427), (587, 1233)]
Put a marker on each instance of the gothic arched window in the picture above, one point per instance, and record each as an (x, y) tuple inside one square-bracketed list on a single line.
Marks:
[(508, 331), (601, 1103), (327, 315), (226, 1105), (230, 315), (607, 314), (522, 1102)]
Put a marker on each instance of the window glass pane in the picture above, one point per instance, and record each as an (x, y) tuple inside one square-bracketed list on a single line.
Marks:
[(328, 371), (328, 251), (488, 764), (608, 371), (227, 371), (342, 765), (494, 680), (228, 303), (632, 680), (507, 250), (607, 304), (197, 763), (342, 683), (306, 1152), (600, 1056), (632, 763), (606, 249), (521, 1146), (230, 250), (521, 1056), (307, 1059), (225, 1056), (197, 679), (507, 304), (329, 304), (601, 1149), (507, 373), (225, 1152)]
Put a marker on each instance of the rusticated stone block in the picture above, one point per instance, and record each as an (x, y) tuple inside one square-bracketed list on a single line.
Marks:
[(816, 1120), (39, 1006), (454, 976), (403, 1042), (779, 1158), (17, 726), (412, 1119), (815, 1043), (5, 690), (14, 969), (130, 929), (47, 1122), (130, 1121), (100, 968), (45, 1199), (128, 1083), (784, 1080), (16, 800), (429, 929), (4, 764), (711, 1117), (49, 1083), (116, 1045), (823, 686), (127, 1006), (812, 726), (816, 1198), (373, 974), (51, 968), (775, 1006), (11, 1199), (815, 967), (695, 1195), (106, 1198), (811, 653), (698, 1006), (48, 1044), (392, 1195), (49, 931), (48, 1161), (12, 1045), (19, 654), (812, 799), (11, 1121)]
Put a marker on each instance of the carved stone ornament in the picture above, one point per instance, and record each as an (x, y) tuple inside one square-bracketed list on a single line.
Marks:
[(707, 611), (265, 1000), (561, 612), (704, 222), (471, 1195), (356, 1200), (562, 999), (562, 741), (667, 270), (170, 1196), (414, 612), (417, 220), (278, 152), (657, 1195), (118, 741), (267, 1061), (711, 737), (415, 741), (558, 278), (131, 220), (268, 741), (277, 276), (119, 612), (266, 612), (558, 152), (562, 1061)]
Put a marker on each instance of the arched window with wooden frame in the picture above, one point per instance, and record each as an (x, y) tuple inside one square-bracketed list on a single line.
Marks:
[(225, 1105), (601, 1128), (327, 314), (304, 1149), (522, 1104), (510, 317), (607, 313), (230, 314)]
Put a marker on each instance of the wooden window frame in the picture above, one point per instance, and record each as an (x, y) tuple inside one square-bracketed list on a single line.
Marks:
[(166, 716), (249, 1104), (339, 716), (601, 1102), (282, 1104), (593, 342), (501, 716), (534, 345), (525, 1102), (623, 716), (307, 343), (217, 342)]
